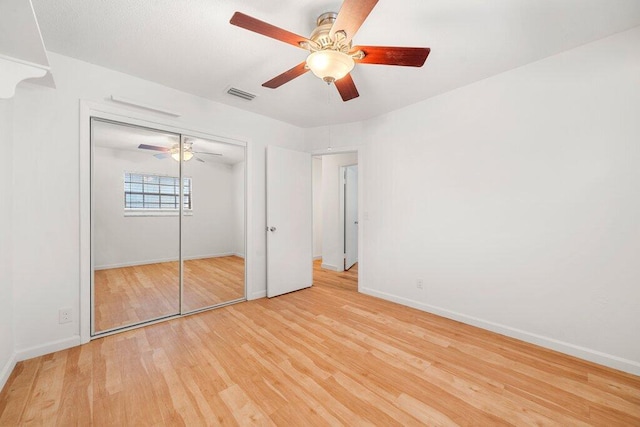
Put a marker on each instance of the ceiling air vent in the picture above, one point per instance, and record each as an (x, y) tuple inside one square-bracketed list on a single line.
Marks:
[(240, 93)]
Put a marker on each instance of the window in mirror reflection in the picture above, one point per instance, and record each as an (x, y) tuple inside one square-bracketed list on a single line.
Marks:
[(155, 193)]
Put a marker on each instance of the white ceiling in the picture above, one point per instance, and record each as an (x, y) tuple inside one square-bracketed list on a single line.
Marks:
[(190, 46)]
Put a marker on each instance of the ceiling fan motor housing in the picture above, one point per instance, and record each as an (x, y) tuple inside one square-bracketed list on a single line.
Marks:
[(323, 41)]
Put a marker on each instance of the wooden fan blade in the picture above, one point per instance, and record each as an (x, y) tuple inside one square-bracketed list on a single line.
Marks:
[(153, 147), (252, 24), (387, 55), (347, 88), (351, 16), (287, 76)]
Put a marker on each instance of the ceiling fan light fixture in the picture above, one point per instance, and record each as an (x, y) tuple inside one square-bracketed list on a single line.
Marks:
[(187, 154), (330, 65)]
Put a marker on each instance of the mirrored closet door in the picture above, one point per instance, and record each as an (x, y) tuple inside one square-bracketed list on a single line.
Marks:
[(168, 224), (213, 226)]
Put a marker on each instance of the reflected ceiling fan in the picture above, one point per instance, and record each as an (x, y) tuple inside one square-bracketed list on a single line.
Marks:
[(174, 151), (332, 55)]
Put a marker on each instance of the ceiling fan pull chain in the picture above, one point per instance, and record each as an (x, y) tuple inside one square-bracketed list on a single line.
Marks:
[(329, 148)]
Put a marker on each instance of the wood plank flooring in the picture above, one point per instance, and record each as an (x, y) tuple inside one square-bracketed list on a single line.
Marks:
[(129, 295), (321, 356)]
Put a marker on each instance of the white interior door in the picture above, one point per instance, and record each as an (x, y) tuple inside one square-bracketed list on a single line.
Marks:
[(351, 216), (289, 221)]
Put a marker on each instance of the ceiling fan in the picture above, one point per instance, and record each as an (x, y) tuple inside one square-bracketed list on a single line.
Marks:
[(332, 55), (174, 151)]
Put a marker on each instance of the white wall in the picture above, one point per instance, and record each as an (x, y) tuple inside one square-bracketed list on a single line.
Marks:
[(121, 240), (316, 171), (46, 191), (211, 230), (343, 135), (517, 200), (332, 228), (7, 355)]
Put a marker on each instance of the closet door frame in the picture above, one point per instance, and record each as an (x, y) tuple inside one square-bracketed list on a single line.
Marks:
[(160, 122)]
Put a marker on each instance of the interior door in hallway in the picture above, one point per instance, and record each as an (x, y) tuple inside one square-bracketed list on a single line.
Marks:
[(289, 221), (350, 216)]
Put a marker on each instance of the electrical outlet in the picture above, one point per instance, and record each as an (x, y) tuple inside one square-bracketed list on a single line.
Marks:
[(65, 315), (420, 284)]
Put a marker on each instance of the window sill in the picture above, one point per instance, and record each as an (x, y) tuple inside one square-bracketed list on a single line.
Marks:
[(155, 212)]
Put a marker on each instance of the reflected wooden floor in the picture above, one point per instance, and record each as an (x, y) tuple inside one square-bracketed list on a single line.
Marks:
[(130, 295), (210, 281), (326, 355)]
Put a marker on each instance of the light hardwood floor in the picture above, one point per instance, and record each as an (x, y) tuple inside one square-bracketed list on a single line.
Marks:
[(130, 295), (321, 356)]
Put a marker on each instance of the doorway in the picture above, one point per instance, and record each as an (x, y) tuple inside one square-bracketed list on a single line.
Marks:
[(335, 213)]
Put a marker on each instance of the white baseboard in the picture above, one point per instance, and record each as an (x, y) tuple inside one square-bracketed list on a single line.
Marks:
[(134, 263), (258, 295), (238, 254), (191, 258), (331, 267), (7, 369), (50, 347), (158, 261), (595, 356)]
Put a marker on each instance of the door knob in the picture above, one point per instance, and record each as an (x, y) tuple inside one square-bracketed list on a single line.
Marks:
[(271, 229), (355, 222)]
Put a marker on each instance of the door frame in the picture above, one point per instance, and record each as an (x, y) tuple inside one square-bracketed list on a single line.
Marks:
[(90, 109), (363, 216)]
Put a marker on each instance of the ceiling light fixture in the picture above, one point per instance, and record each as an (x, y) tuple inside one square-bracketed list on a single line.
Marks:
[(187, 154), (330, 65)]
